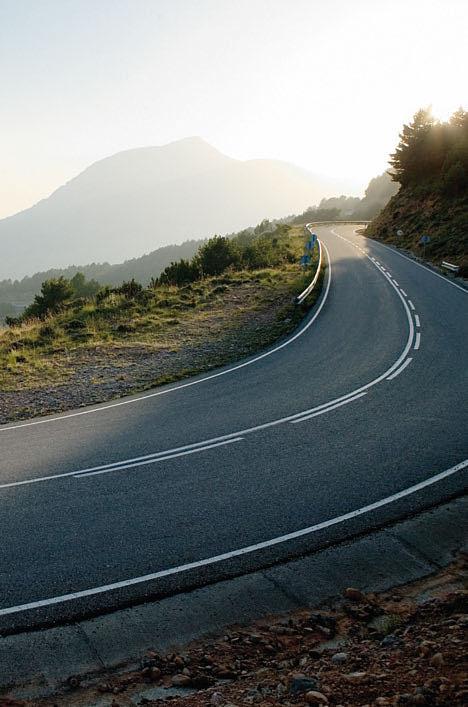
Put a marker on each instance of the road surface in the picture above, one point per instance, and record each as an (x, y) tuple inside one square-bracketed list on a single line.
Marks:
[(359, 418)]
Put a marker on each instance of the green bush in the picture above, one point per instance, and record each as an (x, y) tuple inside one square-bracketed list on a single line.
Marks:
[(74, 325), (55, 294), (181, 272), (130, 289), (47, 331), (216, 255)]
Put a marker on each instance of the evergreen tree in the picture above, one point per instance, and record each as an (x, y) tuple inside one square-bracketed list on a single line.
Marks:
[(408, 159)]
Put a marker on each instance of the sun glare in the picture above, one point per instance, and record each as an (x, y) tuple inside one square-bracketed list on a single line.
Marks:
[(442, 110)]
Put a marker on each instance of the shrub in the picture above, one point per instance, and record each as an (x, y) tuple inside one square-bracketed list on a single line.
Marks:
[(13, 321), (125, 328), (55, 294), (82, 287), (130, 289), (74, 325), (216, 255), (47, 331), (181, 272), (103, 294)]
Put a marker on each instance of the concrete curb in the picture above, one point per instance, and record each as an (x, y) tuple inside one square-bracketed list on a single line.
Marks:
[(38, 663)]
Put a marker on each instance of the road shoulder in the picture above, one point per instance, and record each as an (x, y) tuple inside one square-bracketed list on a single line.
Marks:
[(39, 663)]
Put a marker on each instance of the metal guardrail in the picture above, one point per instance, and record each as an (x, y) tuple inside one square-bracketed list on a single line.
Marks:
[(300, 298), (325, 223), (450, 266)]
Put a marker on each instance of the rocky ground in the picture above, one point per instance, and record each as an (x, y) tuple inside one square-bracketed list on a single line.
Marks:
[(403, 647)]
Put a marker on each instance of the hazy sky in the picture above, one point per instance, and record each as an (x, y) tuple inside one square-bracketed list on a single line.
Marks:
[(322, 83)]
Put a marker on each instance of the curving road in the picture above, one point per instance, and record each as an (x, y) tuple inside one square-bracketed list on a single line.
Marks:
[(359, 418)]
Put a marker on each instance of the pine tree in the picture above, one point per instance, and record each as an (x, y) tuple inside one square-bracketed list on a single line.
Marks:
[(408, 158)]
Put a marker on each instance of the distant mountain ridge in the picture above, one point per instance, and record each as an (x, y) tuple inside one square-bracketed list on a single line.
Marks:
[(138, 200), (21, 292)]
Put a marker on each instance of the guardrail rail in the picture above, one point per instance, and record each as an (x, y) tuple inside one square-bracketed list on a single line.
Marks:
[(300, 298), (450, 266)]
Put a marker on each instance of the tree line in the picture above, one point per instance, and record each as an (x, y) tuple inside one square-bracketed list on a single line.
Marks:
[(433, 153), (377, 195), (267, 245)]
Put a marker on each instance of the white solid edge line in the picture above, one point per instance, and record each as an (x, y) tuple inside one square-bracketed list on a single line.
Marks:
[(332, 407), (6, 428), (417, 343), (420, 265), (239, 552), (264, 425), (400, 370), (86, 474)]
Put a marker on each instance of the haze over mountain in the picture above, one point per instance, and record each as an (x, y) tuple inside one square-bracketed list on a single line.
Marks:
[(137, 200)]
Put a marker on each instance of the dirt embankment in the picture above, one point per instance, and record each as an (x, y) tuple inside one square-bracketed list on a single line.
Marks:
[(415, 212), (402, 647)]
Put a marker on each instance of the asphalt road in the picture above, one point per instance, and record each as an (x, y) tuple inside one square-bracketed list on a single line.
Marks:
[(359, 419)]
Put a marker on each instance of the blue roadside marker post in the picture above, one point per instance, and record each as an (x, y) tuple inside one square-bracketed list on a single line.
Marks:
[(423, 240), (309, 246)]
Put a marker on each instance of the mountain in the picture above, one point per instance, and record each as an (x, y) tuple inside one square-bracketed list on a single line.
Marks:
[(141, 199)]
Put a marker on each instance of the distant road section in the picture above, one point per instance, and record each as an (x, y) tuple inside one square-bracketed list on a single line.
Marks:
[(357, 419)]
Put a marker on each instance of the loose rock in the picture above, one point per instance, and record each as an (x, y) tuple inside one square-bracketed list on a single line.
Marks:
[(315, 698)]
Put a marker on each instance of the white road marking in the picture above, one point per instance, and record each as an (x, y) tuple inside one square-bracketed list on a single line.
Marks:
[(129, 463), (420, 265), (416, 319), (411, 305), (396, 283), (418, 341), (255, 428), (85, 474), (239, 552), (403, 292), (400, 370), (58, 418), (332, 407)]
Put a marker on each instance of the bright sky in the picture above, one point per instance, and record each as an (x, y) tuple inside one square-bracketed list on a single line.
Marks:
[(325, 84)]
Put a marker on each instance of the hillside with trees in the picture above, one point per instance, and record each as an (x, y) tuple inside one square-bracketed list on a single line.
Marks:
[(15, 295), (378, 193), (79, 342), (430, 163)]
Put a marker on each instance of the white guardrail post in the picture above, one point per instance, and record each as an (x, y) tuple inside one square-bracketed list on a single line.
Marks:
[(300, 298)]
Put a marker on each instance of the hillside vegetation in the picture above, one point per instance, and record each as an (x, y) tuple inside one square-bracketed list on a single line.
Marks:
[(431, 165), (15, 295), (378, 193), (79, 343), (140, 199)]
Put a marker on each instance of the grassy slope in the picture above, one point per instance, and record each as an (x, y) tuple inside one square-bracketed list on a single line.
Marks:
[(418, 211), (122, 346)]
